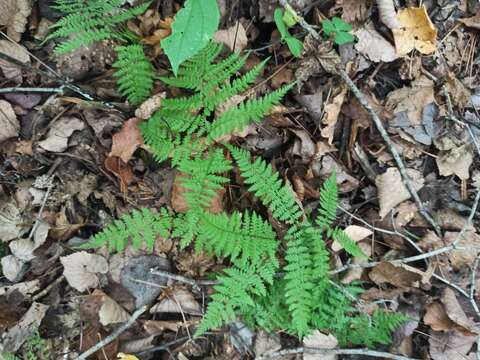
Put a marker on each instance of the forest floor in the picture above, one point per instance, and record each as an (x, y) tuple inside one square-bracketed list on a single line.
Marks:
[(70, 164)]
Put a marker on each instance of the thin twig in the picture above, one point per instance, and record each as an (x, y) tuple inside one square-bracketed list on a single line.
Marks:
[(306, 350), (48, 288), (32, 89), (194, 283), (114, 334)]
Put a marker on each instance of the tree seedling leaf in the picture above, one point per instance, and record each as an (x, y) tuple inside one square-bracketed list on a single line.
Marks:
[(192, 29), (294, 45)]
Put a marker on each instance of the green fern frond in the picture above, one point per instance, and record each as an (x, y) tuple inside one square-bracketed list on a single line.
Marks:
[(135, 73), (299, 282), (347, 243), (91, 21), (202, 180), (240, 116), (248, 238), (327, 211), (266, 185), (185, 227), (139, 227)]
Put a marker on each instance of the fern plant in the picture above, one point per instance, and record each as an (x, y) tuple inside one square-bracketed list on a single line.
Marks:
[(289, 290), (89, 21)]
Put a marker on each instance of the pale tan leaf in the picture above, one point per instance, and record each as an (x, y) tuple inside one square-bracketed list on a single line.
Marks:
[(437, 318), (392, 191), (371, 44), (9, 125), (12, 268), (330, 117), (14, 14), (320, 341), (11, 71), (416, 31), (110, 311), (455, 312), (149, 106), (81, 268), (58, 135), (178, 301), (235, 35)]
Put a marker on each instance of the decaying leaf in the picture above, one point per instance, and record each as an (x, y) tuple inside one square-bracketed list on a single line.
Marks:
[(396, 275), (110, 311), (455, 311), (450, 345), (458, 92), (10, 71), (371, 44), (453, 158), (319, 340), (235, 37), (28, 324), (471, 22), (81, 269), (331, 112), (9, 125), (178, 301), (58, 135), (392, 191), (11, 222), (416, 31), (127, 140), (437, 318), (13, 268), (468, 243), (14, 14)]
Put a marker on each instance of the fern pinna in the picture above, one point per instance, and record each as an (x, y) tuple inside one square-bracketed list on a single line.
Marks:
[(89, 21)]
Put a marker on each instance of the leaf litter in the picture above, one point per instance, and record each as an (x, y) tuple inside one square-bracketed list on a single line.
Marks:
[(103, 169)]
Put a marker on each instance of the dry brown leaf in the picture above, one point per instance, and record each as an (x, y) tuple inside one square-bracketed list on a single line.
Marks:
[(451, 345), (455, 312), (156, 327), (11, 222), (453, 158), (81, 268), (356, 233), (437, 318), (354, 10), (412, 99), (468, 243), (458, 92), (178, 301), (10, 71), (235, 35), (320, 341), (416, 32), (60, 132), (396, 275), (149, 106), (472, 22), (127, 140), (121, 170), (110, 311), (9, 125), (14, 14), (282, 77), (371, 44), (392, 191), (331, 112)]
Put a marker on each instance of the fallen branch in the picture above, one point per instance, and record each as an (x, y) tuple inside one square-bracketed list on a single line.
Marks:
[(113, 335), (309, 350)]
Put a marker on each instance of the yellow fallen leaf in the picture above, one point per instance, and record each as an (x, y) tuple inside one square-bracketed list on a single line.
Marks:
[(122, 356), (416, 32)]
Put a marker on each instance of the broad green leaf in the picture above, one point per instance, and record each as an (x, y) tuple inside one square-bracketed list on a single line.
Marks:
[(341, 25), (278, 17), (328, 27), (295, 46), (192, 28), (343, 38)]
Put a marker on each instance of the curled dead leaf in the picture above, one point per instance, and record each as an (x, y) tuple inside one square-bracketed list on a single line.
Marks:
[(14, 14), (235, 37)]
